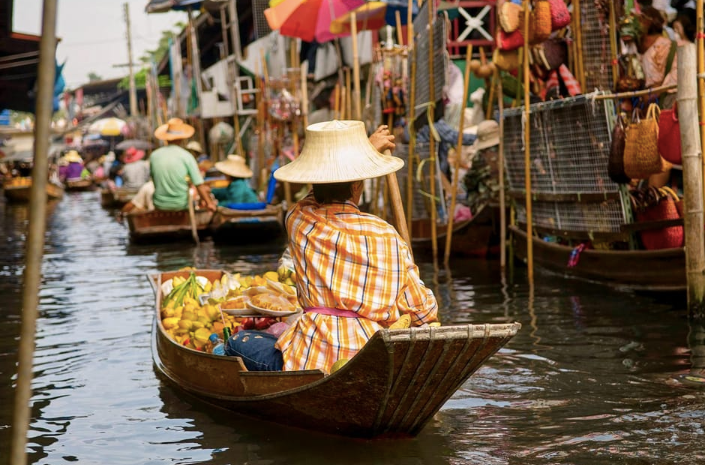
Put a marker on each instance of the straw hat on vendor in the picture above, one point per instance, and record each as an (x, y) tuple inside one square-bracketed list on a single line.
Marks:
[(337, 152), (174, 130), (73, 157), (235, 166), (487, 135)]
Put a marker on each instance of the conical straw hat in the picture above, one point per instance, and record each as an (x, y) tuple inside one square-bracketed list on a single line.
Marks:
[(234, 166), (174, 129), (337, 151)]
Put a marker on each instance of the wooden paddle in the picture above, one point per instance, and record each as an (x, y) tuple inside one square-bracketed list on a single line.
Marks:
[(397, 206)]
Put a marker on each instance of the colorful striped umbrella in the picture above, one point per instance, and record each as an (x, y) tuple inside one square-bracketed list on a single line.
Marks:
[(307, 19)]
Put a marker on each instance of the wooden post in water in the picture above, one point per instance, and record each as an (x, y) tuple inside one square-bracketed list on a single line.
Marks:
[(35, 237), (500, 162), (692, 179), (431, 147), (527, 150)]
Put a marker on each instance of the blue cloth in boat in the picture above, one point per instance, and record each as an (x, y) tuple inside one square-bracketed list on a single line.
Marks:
[(256, 348), (238, 191)]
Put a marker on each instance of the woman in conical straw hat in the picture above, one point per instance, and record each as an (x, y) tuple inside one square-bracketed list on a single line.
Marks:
[(354, 273), (172, 165), (238, 191)]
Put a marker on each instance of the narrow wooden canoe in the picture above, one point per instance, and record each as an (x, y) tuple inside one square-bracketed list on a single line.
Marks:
[(392, 387), (477, 237), (116, 198), (160, 225), (639, 270), (248, 226), (79, 185), (17, 190)]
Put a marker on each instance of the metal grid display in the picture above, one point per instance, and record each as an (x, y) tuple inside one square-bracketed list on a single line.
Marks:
[(570, 143), (440, 60), (597, 56), (421, 203), (260, 22)]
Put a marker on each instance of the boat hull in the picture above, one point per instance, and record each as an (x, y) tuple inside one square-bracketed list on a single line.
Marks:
[(477, 237), (392, 387), (248, 226), (639, 270), (16, 191), (82, 185), (166, 226), (116, 198)]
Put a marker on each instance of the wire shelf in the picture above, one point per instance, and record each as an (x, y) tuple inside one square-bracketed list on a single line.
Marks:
[(440, 61), (261, 25), (597, 55)]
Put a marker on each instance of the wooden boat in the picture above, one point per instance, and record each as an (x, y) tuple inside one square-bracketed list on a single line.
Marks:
[(392, 387), (18, 189), (79, 185), (160, 225), (116, 198), (244, 226), (477, 237), (639, 270)]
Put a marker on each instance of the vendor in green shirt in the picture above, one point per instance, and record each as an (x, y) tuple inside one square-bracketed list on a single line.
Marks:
[(239, 190), (173, 168)]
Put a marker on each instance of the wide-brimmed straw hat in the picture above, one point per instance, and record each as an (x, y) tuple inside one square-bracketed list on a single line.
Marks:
[(337, 151), (132, 155), (195, 146), (73, 157), (487, 135), (174, 129), (234, 166)]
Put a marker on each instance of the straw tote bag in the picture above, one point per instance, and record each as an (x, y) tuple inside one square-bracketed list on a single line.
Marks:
[(540, 26), (560, 16), (506, 60), (510, 16), (641, 156), (669, 136), (615, 163), (658, 205)]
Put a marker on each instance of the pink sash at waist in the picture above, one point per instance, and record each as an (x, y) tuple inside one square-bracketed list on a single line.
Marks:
[(332, 312)]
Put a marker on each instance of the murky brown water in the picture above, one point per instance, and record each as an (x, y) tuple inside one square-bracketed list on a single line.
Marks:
[(590, 378)]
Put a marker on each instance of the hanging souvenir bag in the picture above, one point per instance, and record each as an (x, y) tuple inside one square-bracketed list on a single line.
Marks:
[(669, 135), (540, 25), (510, 16), (510, 41), (615, 163), (560, 16), (506, 60), (555, 53), (659, 205), (641, 157)]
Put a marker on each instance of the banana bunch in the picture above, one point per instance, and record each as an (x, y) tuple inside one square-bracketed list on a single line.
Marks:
[(286, 275)]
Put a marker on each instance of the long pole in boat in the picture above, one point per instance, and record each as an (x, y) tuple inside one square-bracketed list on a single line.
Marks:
[(500, 162), (431, 147), (356, 67), (527, 150), (458, 149), (692, 180), (35, 237), (700, 42), (411, 50), (234, 71)]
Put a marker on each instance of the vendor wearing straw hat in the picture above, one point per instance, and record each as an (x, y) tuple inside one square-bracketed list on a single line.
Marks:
[(355, 274), (238, 191), (172, 168)]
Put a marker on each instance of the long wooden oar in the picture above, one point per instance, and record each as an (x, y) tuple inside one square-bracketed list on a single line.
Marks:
[(397, 206)]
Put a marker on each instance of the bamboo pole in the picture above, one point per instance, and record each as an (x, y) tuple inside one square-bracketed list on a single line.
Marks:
[(304, 97), (700, 42), (356, 66), (692, 180), (412, 135), (336, 101), (636, 93), (35, 237), (400, 33), (397, 206), (500, 162), (431, 148), (613, 44), (527, 150), (458, 151), (578, 42), (410, 24), (348, 95)]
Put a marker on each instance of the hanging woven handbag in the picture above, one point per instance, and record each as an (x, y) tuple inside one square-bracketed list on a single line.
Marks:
[(669, 135), (506, 60), (555, 53), (560, 16), (615, 163), (641, 156), (510, 16), (540, 25), (660, 205), (510, 41)]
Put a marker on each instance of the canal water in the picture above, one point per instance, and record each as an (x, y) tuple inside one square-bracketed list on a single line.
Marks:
[(591, 378)]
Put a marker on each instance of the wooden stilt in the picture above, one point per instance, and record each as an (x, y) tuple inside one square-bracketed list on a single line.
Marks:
[(500, 162), (527, 150), (700, 43), (412, 132)]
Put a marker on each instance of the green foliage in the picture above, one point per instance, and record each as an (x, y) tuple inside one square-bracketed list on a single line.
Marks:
[(141, 80), (92, 77), (162, 49)]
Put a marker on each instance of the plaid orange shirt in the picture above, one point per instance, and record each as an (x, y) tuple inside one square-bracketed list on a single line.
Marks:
[(348, 260)]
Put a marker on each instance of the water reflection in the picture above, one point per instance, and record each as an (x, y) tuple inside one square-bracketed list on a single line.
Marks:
[(591, 378)]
